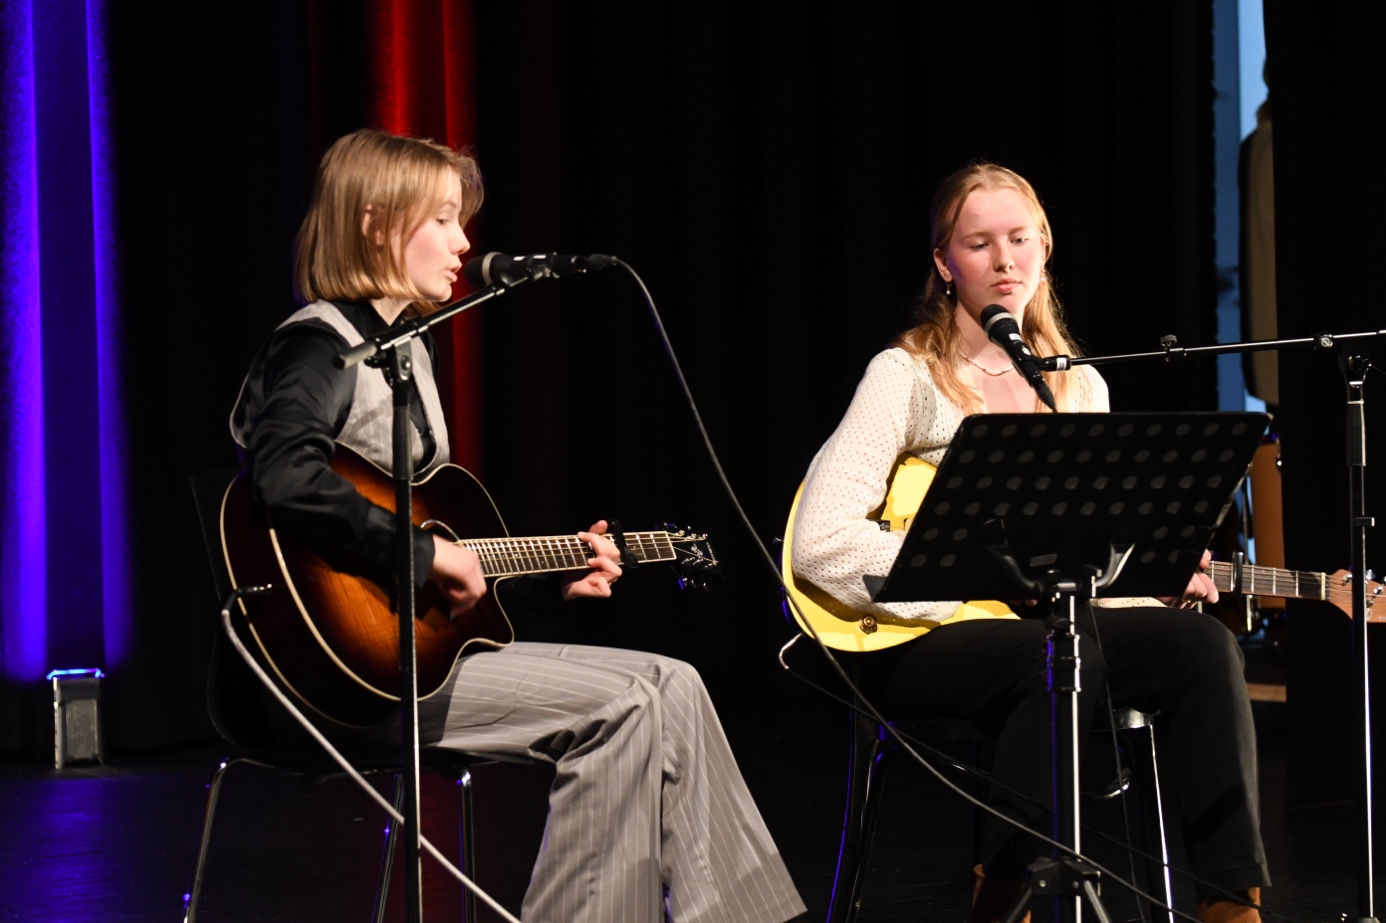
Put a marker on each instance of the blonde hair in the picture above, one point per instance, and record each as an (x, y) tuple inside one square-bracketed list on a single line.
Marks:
[(390, 181), (935, 337)]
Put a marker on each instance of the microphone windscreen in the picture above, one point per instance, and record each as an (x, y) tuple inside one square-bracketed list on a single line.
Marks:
[(478, 270), (994, 314)]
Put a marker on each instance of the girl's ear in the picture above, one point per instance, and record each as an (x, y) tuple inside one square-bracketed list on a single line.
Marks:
[(942, 263)]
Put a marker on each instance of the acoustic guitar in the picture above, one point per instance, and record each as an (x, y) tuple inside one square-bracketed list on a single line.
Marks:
[(332, 637), (846, 629)]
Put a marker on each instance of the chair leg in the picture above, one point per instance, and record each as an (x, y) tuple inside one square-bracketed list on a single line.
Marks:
[(466, 841), (193, 896), (1152, 806), (867, 752), (387, 855)]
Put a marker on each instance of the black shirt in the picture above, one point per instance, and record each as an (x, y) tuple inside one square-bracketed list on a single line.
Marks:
[(295, 404)]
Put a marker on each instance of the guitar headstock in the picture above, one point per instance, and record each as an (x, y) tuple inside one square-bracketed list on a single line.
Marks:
[(1340, 594), (694, 560), (1374, 589)]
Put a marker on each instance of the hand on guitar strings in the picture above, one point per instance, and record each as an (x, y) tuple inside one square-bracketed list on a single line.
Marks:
[(605, 567), (457, 572), (1201, 588)]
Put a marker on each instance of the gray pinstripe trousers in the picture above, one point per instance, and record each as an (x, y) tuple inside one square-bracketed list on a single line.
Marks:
[(647, 798)]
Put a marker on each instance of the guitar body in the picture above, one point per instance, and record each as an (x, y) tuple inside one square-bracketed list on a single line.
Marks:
[(332, 637), (843, 628)]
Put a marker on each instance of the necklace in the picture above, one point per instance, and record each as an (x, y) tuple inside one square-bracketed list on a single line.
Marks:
[(992, 372)]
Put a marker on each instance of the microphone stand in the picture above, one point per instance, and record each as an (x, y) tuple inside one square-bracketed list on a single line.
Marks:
[(391, 352), (1355, 364)]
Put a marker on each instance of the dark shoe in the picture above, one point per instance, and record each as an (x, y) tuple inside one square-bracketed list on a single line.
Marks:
[(1218, 909), (992, 897)]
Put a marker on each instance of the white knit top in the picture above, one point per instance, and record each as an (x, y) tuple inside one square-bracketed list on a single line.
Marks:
[(897, 410)]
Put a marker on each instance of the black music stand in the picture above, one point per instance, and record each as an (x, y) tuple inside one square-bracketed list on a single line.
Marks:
[(1062, 508)]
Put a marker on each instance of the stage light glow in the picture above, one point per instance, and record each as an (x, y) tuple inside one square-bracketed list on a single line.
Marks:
[(23, 563), (93, 672), (64, 591)]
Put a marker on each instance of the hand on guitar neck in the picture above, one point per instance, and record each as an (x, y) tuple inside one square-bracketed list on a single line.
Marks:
[(457, 571), (606, 567), (1201, 588)]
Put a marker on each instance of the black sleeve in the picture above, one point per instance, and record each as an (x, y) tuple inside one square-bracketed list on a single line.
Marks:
[(306, 401)]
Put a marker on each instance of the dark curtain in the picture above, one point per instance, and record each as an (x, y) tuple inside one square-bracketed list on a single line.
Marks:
[(768, 171), (766, 168), (1328, 204)]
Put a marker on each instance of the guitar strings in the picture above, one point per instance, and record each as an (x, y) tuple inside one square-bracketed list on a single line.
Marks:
[(504, 557), (1277, 581)]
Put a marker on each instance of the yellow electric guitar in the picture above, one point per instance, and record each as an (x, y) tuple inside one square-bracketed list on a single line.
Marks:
[(846, 629)]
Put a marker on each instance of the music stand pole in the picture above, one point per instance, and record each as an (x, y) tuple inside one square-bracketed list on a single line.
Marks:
[(1355, 369), (1068, 879), (1063, 667)]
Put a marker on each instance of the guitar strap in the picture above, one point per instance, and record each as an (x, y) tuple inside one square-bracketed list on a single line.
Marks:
[(618, 538)]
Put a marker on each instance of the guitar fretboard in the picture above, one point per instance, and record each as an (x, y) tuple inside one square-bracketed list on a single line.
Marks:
[(509, 557), (1272, 581)]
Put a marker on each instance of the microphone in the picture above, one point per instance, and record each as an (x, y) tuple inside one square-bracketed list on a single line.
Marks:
[(1000, 327), (494, 268)]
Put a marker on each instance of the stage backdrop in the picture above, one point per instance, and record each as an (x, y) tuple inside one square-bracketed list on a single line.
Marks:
[(767, 170)]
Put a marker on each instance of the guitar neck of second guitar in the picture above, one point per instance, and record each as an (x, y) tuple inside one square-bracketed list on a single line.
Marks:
[(1270, 581)]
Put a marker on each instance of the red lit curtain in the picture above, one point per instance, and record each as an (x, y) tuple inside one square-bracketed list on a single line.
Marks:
[(423, 67)]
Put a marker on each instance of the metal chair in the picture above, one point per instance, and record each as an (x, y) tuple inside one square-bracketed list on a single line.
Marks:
[(243, 716), (870, 747)]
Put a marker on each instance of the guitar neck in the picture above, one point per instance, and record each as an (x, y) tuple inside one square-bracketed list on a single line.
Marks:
[(510, 557), (1272, 581)]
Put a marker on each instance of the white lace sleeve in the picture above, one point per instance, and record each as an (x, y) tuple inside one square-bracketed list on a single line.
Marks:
[(1088, 391), (895, 410)]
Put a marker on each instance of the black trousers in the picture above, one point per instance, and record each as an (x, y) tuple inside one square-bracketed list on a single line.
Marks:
[(1180, 663)]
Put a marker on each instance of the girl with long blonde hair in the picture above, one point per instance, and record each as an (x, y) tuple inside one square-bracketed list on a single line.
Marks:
[(991, 246)]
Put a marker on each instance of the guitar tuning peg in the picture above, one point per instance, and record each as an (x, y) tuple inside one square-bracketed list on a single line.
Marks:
[(1370, 575), (1347, 578)]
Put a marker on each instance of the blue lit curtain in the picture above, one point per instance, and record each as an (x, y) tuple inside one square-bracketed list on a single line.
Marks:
[(64, 574)]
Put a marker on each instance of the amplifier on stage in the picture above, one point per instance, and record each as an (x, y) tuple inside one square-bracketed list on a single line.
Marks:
[(76, 716)]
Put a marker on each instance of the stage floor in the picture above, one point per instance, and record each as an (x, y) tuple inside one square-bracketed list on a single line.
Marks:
[(116, 843)]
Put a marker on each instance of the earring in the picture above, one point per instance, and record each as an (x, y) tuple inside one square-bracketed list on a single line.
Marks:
[(948, 291)]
